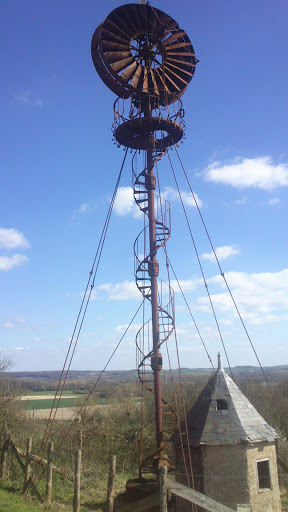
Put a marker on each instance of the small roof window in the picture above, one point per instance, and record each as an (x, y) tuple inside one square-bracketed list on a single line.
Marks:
[(221, 405)]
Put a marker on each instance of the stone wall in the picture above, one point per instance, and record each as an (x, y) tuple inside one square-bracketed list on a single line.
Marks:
[(267, 500), (225, 474), (182, 466), (228, 474)]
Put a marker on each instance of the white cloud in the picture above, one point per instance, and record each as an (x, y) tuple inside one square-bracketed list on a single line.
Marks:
[(7, 263), (122, 328), (259, 172), (261, 298), (125, 204), (187, 285), (9, 325), (224, 252), (35, 339), (18, 323), (19, 348), (28, 98), (190, 349), (274, 200), (12, 239), (126, 290), (243, 200), (92, 295), (171, 194), (83, 208)]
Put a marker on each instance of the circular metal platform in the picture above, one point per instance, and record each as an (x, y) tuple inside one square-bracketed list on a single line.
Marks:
[(144, 133), (140, 51)]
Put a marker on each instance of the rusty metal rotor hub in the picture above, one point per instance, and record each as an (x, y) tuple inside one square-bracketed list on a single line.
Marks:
[(147, 49), (145, 132)]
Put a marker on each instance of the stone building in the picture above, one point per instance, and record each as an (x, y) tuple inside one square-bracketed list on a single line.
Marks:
[(231, 447)]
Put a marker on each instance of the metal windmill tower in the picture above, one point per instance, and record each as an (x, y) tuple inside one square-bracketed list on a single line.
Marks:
[(143, 56)]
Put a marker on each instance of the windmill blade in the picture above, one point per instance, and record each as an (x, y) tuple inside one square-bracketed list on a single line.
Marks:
[(177, 35), (136, 77), (162, 80), (180, 69), (129, 19), (177, 45), (154, 82), (117, 29), (185, 54), (110, 45), (119, 20), (177, 75), (145, 80), (170, 80), (136, 16), (182, 61), (111, 36), (126, 75), (122, 64), (115, 56)]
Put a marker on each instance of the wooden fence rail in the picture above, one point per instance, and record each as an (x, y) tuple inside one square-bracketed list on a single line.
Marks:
[(196, 497)]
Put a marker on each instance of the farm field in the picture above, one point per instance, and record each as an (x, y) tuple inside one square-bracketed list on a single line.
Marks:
[(39, 400), (46, 403), (64, 413), (38, 404)]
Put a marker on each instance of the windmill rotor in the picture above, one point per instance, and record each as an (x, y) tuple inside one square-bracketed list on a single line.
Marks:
[(140, 51)]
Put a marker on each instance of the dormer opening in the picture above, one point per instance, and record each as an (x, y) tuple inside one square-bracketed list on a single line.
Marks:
[(221, 405)]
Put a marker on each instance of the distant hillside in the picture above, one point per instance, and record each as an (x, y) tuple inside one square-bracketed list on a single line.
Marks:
[(251, 372)]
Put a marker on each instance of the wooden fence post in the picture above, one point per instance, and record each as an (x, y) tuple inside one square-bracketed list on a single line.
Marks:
[(111, 481), (76, 499), (163, 489), (49, 473), (27, 462), (4, 459)]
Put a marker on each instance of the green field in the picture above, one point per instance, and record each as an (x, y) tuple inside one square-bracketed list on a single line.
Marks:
[(47, 403)]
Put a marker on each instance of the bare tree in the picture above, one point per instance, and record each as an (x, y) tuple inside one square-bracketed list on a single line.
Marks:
[(12, 418), (5, 364)]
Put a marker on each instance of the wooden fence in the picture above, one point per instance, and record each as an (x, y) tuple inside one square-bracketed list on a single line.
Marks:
[(25, 459)]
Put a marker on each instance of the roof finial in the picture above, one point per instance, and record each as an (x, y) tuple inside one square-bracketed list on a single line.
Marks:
[(220, 363)]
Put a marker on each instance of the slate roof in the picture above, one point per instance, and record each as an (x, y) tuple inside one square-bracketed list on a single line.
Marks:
[(240, 423)]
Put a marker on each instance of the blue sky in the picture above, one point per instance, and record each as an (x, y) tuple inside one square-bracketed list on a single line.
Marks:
[(59, 167)]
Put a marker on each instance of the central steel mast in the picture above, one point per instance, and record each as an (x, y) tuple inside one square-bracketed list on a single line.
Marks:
[(141, 54), (153, 269)]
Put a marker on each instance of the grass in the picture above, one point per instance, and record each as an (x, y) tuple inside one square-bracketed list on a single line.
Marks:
[(11, 499), (284, 501), (93, 495), (47, 403)]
